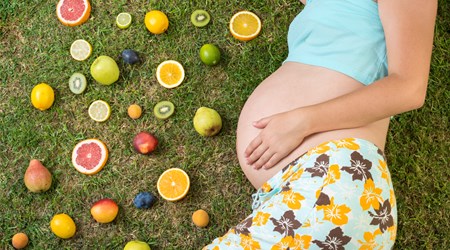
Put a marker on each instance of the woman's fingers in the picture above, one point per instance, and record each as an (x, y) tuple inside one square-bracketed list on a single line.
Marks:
[(279, 135), (262, 123), (273, 160), (263, 159), (252, 146), (257, 153)]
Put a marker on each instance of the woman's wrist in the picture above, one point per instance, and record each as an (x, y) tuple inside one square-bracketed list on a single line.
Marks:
[(305, 119)]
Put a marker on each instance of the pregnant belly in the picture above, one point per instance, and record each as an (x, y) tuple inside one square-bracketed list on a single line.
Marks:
[(296, 85)]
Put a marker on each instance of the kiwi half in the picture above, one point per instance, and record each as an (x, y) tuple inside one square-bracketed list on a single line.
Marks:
[(163, 110), (200, 18), (77, 83)]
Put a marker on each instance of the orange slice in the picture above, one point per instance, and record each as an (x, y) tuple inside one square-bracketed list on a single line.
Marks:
[(170, 74), (73, 12), (173, 184), (245, 25), (89, 156)]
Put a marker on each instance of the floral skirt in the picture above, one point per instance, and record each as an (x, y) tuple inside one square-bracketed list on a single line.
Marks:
[(338, 195)]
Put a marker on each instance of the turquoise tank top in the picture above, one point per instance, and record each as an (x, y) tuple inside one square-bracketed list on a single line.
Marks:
[(342, 35)]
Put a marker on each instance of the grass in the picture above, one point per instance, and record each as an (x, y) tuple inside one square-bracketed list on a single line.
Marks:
[(35, 48)]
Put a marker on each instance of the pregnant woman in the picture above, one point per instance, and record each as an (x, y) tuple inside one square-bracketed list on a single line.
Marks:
[(311, 136)]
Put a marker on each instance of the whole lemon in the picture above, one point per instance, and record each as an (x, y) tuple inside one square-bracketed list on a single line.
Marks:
[(156, 22), (200, 218), (63, 226), (42, 96)]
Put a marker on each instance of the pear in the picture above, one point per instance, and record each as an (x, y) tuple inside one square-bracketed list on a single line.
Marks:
[(37, 178), (207, 122)]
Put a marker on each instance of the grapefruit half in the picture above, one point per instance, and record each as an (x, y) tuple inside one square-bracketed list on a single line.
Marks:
[(89, 156), (73, 12)]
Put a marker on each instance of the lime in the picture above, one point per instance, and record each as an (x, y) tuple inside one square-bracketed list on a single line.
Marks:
[(99, 111), (210, 54), (123, 20), (80, 50)]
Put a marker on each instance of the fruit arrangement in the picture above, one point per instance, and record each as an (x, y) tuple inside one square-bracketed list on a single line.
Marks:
[(90, 156)]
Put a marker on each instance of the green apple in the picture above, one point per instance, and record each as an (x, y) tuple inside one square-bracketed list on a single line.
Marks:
[(105, 70), (136, 245), (207, 122)]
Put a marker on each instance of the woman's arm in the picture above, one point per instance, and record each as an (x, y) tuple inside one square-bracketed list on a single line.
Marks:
[(409, 28)]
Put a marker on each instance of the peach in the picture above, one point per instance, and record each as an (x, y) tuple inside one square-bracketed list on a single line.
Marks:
[(145, 143)]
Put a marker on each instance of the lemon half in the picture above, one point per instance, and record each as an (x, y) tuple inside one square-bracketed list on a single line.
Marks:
[(80, 50), (99, 111)]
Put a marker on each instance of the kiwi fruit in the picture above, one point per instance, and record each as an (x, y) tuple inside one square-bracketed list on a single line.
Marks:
[(163, 110), (77, 83), (200, 18)]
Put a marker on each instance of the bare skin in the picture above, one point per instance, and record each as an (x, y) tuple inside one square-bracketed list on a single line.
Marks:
[(298, 85), (300, 106)]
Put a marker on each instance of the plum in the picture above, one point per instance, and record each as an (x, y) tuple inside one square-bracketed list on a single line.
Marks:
[(130, 56), (144, 200)]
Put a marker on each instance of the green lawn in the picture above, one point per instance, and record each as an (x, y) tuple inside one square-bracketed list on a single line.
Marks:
[(34, 48)]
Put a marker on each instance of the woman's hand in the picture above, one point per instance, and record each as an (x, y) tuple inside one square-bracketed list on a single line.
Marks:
[(280, 134)]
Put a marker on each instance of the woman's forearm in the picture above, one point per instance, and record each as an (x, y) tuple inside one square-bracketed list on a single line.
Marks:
[(387, 97)]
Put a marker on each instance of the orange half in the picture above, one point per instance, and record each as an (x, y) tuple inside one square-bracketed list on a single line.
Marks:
[(245, 25), (170, 74), (173, 184)]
